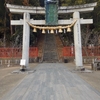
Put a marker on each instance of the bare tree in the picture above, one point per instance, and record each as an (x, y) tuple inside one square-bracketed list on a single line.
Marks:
[(90, 37)]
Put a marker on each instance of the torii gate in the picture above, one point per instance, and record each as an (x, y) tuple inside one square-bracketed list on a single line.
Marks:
[(26, 11)]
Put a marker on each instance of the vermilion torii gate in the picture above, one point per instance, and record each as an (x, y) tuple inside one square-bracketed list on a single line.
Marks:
[(75, 10)]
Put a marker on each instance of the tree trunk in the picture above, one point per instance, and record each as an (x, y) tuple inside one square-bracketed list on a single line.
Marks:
[(85, 49), (4, 39), (11, 28)]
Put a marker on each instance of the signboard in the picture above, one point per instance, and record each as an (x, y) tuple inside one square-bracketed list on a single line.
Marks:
[(22, 62), (51, 16)]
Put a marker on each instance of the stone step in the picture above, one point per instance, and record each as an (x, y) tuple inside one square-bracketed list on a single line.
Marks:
[(50, 52), (59, 46), (50, 48), (40, 46)]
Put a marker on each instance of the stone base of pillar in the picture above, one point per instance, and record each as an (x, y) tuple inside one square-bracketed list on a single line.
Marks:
[(22, 68), (80, 68)]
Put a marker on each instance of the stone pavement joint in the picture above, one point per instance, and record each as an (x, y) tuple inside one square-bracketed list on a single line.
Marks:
[(52, 81)]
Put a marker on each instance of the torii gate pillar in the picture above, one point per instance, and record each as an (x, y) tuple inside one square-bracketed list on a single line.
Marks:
[(77, 41), (26, 38)]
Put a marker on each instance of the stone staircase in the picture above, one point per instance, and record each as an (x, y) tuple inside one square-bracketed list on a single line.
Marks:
[(59, 46), (50, 50), (40, 46)]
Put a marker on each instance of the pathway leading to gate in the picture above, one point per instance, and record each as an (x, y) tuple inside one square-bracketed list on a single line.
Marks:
[(52, 81)]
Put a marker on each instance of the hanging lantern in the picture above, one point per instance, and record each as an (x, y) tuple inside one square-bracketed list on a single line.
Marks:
[(60, 30), (34, 30), (43, 31), (52, 31), (68, 29)]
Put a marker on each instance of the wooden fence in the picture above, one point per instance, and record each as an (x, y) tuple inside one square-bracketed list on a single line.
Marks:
[(17, 52), (33, 52), (86, 51)]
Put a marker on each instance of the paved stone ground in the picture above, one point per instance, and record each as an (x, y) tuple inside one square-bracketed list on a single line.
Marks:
[(52, 81), (91, 78), (9, 80)]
